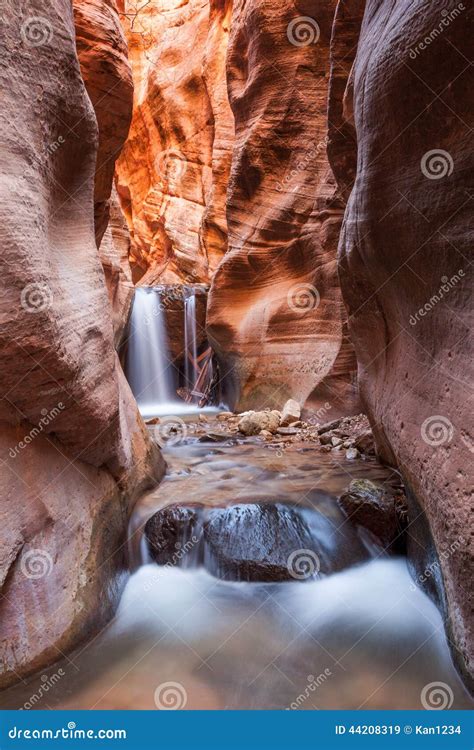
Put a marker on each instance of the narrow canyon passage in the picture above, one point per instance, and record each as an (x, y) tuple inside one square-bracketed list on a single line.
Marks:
[(236, 355)]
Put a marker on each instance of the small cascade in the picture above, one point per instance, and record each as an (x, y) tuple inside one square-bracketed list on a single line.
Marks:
[(149, 369), (190, 343), (168, 361)]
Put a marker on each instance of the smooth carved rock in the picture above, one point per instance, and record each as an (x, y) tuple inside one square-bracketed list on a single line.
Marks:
[(173, 173), (406, 234), (275, 312), (105, 68), (74, 447)]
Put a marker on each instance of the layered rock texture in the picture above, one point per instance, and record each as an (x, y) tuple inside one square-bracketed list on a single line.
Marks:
[(103, 58), (275, 314), (73, 447), (401, 138), (173, 172)]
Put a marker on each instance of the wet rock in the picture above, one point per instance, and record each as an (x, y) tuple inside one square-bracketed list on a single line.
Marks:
[(352, 453), (335, 441), (374, 507), (170, 530), (291, 412), (287, 431), (256, 543), (254, 422), (365, 442)]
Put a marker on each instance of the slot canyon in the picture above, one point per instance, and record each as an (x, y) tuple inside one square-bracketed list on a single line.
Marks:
[(235, 325)]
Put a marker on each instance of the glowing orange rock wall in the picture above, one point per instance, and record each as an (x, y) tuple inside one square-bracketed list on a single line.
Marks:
[(173, 172)]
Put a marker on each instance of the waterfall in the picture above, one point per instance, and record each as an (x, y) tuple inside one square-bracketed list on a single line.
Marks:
[(149, 369), (190, 339), (163, 385)]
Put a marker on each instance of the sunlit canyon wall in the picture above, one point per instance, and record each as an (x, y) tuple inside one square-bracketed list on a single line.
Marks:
[(225, 179)]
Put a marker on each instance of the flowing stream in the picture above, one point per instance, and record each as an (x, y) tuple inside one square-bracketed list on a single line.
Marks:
[(364, 637)]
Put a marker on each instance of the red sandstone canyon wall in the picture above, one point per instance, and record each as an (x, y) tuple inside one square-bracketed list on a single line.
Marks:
[(275, 315), (401, 121), (172, 174), (73, 447)]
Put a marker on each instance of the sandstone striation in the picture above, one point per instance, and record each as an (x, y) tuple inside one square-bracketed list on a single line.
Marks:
[(73, 447), (275, 315), (404, 265), (173, 171), (102, 51)]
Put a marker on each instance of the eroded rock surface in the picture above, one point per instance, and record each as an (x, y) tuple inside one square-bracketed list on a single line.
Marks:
[(404, 263), (74, 450), (275, 313), (174, 169), (103, 57)]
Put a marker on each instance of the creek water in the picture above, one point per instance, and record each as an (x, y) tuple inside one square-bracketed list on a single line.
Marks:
[(364, 637)]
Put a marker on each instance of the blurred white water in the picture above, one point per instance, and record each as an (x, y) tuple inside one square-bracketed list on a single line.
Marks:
[(149, 370), (367, 636)]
